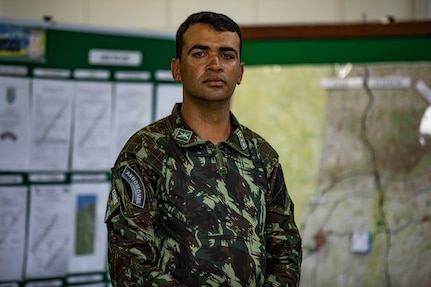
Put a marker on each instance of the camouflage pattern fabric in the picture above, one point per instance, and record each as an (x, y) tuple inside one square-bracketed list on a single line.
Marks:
[(185, 212)]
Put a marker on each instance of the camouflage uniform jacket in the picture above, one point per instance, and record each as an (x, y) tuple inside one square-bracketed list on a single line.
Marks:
[(185, 212)]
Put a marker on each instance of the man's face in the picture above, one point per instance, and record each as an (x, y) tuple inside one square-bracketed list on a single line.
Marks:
[(210, 66)]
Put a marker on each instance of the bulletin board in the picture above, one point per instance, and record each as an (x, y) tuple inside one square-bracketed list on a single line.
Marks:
[(70, 96)]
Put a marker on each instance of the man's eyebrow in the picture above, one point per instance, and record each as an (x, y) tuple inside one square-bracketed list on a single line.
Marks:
[(205, 47), (229, 49), (199, 47)]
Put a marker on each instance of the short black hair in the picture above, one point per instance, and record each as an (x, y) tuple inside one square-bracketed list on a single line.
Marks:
[(219, 22)]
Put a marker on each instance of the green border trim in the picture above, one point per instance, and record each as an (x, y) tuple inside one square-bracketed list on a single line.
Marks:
[(327, 51)]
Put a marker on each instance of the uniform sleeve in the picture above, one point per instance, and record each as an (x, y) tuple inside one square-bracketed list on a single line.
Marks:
[(284, 250), (130, 222)]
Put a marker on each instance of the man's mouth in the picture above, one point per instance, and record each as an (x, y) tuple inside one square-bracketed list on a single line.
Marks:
[(214, 81)]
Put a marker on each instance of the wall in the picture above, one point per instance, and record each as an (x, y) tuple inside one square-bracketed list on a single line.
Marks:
[(166, 15)]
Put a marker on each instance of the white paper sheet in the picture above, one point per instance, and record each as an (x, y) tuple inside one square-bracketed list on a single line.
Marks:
[(92, 141), (51, 124), (90, 237), (100, 284), (14, 124), (167, 96), (45, 283), (13, 212), (132, 111), (50, 231)]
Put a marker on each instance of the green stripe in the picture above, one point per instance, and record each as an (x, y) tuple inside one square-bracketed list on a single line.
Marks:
[(285, 52)]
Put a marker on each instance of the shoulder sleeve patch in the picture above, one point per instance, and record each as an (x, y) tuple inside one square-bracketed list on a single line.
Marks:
[(134, 187)]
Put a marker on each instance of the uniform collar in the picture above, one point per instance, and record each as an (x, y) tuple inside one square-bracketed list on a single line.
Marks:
[(186, 137)]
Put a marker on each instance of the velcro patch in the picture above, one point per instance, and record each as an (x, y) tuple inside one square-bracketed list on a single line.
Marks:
[(113, 204), (279, 194), (136, 188)]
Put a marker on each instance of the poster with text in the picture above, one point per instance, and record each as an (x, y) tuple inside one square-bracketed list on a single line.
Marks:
[(51, 124), (50, 231), (133, 103), (13, 212), (92, 141), (14, 124)]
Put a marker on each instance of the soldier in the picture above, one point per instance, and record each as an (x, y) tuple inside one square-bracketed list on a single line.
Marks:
[(198, 199)]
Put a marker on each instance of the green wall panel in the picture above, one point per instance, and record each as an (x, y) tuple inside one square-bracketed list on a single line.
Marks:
[(311, 51), (68, 49)]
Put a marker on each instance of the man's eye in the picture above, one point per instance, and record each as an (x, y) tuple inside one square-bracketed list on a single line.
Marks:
[(199, 54), (227, 56)]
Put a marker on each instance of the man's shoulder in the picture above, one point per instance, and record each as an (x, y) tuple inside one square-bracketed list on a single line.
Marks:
[(151, 137), (161, 126), (265, 149)]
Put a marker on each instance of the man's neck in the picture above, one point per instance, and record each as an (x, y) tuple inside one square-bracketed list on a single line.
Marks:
[(210, 122)]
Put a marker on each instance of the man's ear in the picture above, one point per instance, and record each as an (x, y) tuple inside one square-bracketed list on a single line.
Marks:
[(175, 69), (241, 73)]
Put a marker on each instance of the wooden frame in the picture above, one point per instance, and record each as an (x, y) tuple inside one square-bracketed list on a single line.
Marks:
[(340, 31)]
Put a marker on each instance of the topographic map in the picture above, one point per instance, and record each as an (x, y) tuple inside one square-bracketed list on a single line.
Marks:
[(357, 167)]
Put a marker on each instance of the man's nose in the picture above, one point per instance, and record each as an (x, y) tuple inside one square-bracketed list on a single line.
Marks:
[(214, 63)]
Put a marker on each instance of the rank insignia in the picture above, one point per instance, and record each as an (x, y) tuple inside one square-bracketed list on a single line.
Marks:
[(183, 135)]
